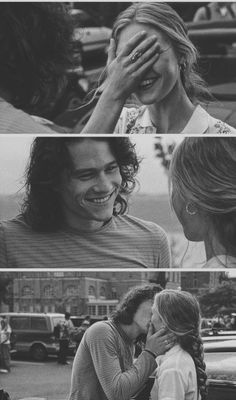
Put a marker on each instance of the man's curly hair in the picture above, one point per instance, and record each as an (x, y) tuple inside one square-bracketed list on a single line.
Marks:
[(35, 52), (49, 159), (131, 302)]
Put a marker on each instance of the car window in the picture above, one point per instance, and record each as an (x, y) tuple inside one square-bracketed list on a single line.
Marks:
[(20, 323), (38, 323)]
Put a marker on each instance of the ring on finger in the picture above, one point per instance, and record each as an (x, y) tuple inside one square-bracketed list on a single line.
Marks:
[(135, 56)]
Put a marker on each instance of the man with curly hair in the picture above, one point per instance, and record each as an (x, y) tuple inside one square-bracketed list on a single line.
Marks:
[(104, 366), (35, 54), (74, 211), (36, 41)]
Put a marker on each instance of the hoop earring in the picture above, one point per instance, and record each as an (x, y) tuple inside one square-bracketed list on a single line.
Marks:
[(189, 211)]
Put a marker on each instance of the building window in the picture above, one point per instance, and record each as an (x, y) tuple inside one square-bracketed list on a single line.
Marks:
[(112, 309), (27, 291), (59, 274), (102, 310), (102, 292), (74, 310), (48, 291), (91, 291), (195, 283), (71, 290), (92, 310)]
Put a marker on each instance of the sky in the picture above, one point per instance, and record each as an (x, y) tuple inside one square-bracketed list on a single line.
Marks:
[(14, 153)]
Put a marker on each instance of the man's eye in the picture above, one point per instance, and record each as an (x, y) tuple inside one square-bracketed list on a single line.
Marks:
[(112, 168), (83, 177)]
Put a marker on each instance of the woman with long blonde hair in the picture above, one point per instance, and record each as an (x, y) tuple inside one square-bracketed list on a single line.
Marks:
[(203, 195), (180, 373), (170, 94)]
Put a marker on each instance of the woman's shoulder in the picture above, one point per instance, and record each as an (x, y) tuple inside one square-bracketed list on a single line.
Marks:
[(220, 128), (135, 120), (217, 127), (202, 122), (221, 261)]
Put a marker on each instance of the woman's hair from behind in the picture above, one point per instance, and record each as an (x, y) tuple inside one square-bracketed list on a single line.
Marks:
[(162, 17), (49, 158), (202, 171), (35, 52), (180, 312)]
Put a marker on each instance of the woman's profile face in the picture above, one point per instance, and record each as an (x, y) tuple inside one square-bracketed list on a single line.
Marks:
[(163, 76), (156, 319), (195, 225)]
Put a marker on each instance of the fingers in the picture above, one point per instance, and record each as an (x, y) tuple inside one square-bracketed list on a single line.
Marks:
[(111, 51), (152, 55), (161, 332), (150, 330), (132, 43), (149, 45), (160, 342)]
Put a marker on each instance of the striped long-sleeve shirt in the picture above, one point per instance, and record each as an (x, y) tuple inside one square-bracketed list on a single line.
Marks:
[(13, 120), (103, 367), (124, 242)]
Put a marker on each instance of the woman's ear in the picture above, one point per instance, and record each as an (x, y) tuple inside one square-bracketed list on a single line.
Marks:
[(191, 208)]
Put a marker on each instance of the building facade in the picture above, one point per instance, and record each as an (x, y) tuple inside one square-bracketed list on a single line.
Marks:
[(80, 293)]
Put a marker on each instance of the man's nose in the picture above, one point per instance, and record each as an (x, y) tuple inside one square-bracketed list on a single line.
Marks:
[(103, 184)]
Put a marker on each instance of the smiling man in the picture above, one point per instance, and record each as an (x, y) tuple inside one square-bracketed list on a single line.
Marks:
[(74, 210)]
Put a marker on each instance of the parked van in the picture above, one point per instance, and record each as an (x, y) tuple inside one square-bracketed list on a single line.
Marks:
[(34, 333)]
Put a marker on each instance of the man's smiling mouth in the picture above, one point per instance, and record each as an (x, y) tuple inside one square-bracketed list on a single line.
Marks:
[(100, 200)]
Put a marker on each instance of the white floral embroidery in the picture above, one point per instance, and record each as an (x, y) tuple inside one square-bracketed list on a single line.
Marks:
[(132, 127), (222, 127)]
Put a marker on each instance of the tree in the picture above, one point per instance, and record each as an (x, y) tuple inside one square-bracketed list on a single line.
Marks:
[(222, 298), (164, 152)]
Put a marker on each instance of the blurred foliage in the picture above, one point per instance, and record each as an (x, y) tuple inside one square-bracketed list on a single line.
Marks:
[(164, 152), (220, 300)]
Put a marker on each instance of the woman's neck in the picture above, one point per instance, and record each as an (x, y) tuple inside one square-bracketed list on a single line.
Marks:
[(172, 114), (213, 248)]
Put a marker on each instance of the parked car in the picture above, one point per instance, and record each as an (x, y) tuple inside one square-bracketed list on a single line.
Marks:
[(220, 358), (93, 36), (220, 361), (33, 333), (217, 335)]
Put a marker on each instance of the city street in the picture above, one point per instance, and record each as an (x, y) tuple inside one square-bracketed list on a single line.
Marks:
[(51, 381), (46, 380)]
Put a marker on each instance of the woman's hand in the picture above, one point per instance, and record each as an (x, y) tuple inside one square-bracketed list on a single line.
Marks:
[(160, 341), (127, 69)]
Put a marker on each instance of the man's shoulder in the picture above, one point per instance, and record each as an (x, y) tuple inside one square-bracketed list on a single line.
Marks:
[(99, 329), (13, 120), (138, 224), (15, 223)]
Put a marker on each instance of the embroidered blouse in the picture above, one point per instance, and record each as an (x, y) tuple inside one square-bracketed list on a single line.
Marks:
[(137, 120)]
